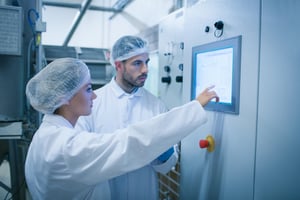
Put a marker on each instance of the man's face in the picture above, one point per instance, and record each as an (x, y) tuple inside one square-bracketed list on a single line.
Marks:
[(133, 72)]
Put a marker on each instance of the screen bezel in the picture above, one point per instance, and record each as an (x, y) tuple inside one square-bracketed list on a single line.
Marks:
[(235, 44)]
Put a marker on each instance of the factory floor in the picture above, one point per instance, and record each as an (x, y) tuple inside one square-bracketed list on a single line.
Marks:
[(5, 179)]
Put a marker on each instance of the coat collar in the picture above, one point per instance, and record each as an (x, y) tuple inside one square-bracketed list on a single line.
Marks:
[(57, 120), (119, 92)]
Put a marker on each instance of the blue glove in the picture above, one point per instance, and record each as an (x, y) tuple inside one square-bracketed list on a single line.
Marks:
[(166, 155)]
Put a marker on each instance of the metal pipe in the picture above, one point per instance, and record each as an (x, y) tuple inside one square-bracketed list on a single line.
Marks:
[(77, 19), (120, 6), (78, 6)]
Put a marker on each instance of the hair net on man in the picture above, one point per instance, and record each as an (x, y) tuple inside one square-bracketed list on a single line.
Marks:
[(127, 47), (56, 84)]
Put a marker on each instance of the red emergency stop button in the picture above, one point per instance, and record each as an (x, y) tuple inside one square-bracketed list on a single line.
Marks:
[(203, 144), (208, 143)]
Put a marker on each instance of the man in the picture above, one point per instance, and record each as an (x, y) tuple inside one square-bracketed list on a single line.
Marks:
[(126, 102)]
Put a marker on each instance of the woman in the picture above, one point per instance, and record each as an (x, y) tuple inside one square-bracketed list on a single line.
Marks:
[(63, 163)]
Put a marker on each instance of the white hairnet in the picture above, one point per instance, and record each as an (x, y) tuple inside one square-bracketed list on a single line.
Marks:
[(127, 47), (56, 84)]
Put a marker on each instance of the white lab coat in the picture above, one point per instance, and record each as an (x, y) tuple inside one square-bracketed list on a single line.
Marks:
[(122, 109), (63, 163)]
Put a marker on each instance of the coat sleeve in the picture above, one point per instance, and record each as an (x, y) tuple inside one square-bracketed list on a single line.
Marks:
[(166, 166), (93, 158)]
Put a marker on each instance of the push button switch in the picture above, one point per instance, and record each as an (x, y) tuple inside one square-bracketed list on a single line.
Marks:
[(208, 143)]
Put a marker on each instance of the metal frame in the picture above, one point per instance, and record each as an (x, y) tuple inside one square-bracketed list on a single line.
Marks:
[(118, 7)]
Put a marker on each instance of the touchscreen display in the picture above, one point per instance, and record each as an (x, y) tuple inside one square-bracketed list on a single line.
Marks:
[(218, 64), (215, 68)]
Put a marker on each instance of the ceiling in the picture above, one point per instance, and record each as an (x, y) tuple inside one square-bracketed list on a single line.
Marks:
[(112, 6), (115, 14)]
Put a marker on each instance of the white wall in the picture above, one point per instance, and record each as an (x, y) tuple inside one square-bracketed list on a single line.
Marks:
[(278, 132)]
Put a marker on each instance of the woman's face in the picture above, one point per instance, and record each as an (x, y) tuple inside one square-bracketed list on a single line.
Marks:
[(82, 102)]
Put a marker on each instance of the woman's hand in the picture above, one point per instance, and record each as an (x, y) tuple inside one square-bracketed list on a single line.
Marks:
[(207, 95)]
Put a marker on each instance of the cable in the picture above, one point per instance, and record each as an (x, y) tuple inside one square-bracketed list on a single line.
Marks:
[(219, 34), (23, 184), (14, 194), (32, 23)]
